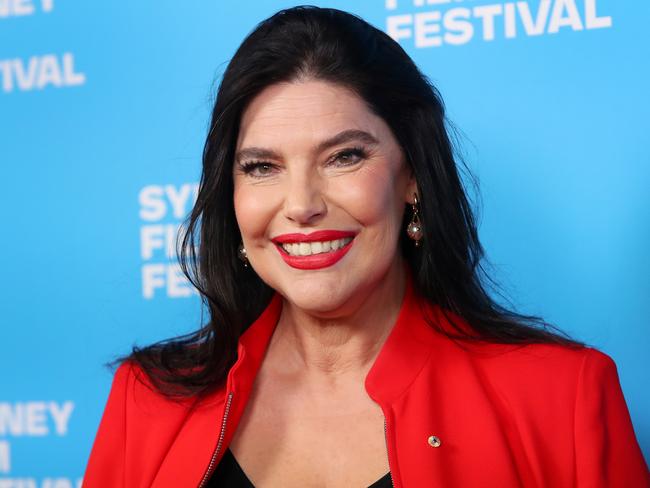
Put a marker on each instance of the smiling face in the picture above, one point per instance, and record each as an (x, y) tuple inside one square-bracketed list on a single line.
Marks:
[(320, 191)]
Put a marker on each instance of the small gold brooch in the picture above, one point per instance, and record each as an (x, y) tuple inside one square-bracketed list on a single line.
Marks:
[(434, 441)]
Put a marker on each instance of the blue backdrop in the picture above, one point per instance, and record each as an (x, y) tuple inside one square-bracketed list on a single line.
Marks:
[(103, 111)]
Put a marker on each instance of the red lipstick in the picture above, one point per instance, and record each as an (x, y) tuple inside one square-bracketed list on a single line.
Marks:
[(314, 261)]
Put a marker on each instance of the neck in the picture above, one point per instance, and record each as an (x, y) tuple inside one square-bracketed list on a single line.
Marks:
[(344, 344)]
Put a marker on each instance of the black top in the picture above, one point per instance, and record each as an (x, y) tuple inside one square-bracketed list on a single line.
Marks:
[(229, 474)]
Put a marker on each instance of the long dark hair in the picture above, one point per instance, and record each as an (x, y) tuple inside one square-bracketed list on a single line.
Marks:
[(331, 45)]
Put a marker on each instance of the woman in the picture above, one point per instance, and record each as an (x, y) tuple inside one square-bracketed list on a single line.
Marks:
[(351, 341)]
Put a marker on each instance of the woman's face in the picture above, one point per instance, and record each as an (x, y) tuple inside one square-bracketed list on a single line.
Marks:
[(320, 192)]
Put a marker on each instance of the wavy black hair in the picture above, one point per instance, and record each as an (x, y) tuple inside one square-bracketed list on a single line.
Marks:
[(326, 44)]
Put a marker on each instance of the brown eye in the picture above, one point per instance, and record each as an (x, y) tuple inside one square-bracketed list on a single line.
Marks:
[(349, 157), (264, 168), (258, 169)]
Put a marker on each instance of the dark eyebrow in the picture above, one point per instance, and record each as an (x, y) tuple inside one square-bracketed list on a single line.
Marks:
[(340, 138), (347, 136), (255, 153)]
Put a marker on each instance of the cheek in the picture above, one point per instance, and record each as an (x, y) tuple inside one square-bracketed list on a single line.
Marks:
[(252, 210), (370, 197)]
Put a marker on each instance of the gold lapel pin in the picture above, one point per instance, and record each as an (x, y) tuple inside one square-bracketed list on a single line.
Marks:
[(434, 441)]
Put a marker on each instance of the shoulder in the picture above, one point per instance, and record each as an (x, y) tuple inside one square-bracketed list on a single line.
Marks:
[(139, 426), (533, 372), (133, 388), (506, 360), (543, 368), (135, 407), (541, 358), (546, 382)]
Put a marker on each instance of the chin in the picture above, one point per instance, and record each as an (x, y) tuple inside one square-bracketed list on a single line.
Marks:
[(317, 296), (331, 296)]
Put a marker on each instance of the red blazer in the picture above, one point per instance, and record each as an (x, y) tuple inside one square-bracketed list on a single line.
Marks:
[(532, 416)]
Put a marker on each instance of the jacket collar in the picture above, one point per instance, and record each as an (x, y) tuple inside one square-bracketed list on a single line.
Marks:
[(403, 355)]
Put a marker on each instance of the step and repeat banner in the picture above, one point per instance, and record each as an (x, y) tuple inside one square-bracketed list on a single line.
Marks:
[(103, 111)]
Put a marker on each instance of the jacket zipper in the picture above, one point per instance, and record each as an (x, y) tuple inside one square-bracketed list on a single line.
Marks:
[(390, 471), (217, 449)]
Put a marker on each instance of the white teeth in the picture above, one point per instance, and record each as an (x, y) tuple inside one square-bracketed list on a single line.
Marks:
[(305, 249), (309, 248)]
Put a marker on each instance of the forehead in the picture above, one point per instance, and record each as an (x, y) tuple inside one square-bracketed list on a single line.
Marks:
[(312, 109)]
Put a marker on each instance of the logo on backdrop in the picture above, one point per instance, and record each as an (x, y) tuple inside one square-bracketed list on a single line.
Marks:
[(436, 23), (39, 71), (162, 211), (37, 419)]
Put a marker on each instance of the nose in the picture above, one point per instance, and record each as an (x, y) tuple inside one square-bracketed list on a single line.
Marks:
[(304, 202)]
